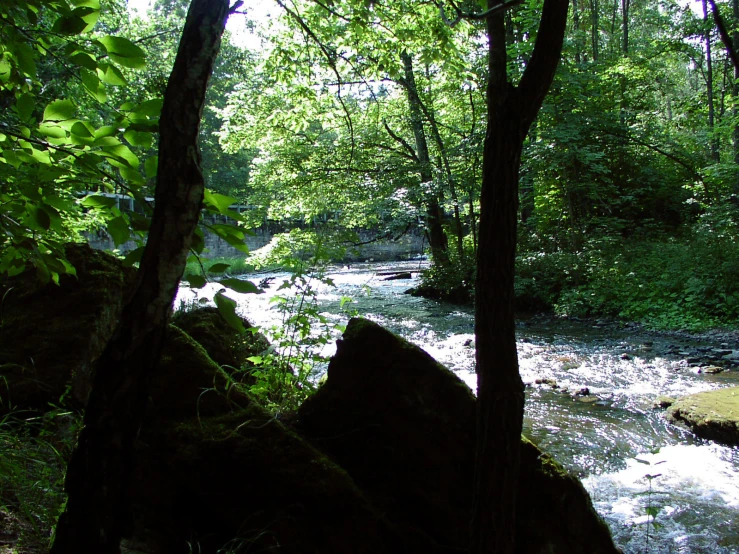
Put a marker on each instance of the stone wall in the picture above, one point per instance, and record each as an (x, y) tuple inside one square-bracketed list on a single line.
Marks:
[(406, 247)]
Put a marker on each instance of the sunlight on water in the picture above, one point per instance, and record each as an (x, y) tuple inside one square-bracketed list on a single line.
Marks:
[(589, 401), (694, 488)]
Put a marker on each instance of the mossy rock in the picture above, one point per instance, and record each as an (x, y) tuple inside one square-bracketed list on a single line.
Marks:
[(226, 346), (51, 334), (402, 426), (215, 469), (712, 415)]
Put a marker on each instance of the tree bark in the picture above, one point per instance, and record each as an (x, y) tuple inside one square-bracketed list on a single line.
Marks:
[(434, 214), (595, 30), (500, 396), (97, 479), (735, 87), (713, 145)]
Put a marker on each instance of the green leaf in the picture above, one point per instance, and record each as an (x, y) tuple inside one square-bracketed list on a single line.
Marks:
[(118, 229), (42, 156), (150, 166), (93, 86), (96, 201), (120, 156), (105, 131), (40, 218), (133, 257), (242, 286), (81, 130), (218, 268), (227, 307), (218, 202), (124, 52), (69, 24), (256, 360), (196, 281), (84, 59), (149, 108), (111, 75), (25, 58), (4, 70), (138, 138), (132, 175), (52, 130), (24, 105), (198, 241), (60, 110)]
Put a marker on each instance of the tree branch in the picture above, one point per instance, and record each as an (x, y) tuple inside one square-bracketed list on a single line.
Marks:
[(411, 151), (725, 38)]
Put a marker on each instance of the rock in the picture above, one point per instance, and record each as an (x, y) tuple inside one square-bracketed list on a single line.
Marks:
[(712, 369), (399, 276), (456, 295), (547, 381), (711, 415), (51, 334), (226, 346), (664, 402), (625, 356), (405, 434), (214, 470)]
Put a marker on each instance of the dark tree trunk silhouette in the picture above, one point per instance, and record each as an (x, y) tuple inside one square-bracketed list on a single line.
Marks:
[(96, 514), (500, 396), (434, 214)]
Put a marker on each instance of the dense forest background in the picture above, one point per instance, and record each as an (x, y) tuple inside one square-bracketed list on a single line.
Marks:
[(373, 117)]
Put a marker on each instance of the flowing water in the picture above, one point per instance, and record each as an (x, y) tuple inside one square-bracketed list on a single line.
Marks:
[(590, 395)]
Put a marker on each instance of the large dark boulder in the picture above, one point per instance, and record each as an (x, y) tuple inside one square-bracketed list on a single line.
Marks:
[(51, 334), (214, 469), (402, 426)]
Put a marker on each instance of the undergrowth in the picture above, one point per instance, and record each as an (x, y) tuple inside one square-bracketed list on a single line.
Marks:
[(34, 451), (665, 283)]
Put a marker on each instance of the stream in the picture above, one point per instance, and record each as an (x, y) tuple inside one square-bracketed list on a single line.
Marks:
[(591, 390)]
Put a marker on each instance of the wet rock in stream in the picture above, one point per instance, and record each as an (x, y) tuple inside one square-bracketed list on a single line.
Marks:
[(711, 415)]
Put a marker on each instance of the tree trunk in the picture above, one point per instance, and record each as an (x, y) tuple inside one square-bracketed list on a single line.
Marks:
[(714, 151), (735, 87), (434, 214), (500, 396), (595, 30), (97, 479)]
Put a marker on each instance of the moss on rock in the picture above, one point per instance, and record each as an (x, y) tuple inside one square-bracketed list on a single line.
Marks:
[(226, 346), (53, 333), (214, 468), (711, 415), (402, 426)]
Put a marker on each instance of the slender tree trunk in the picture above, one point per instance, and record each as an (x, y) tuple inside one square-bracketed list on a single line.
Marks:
[(735, 87), (500, 396), (576, 28), (714, 152), (97, 479), (459, 228), (595, 22), (625, 5), (434, 214)]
